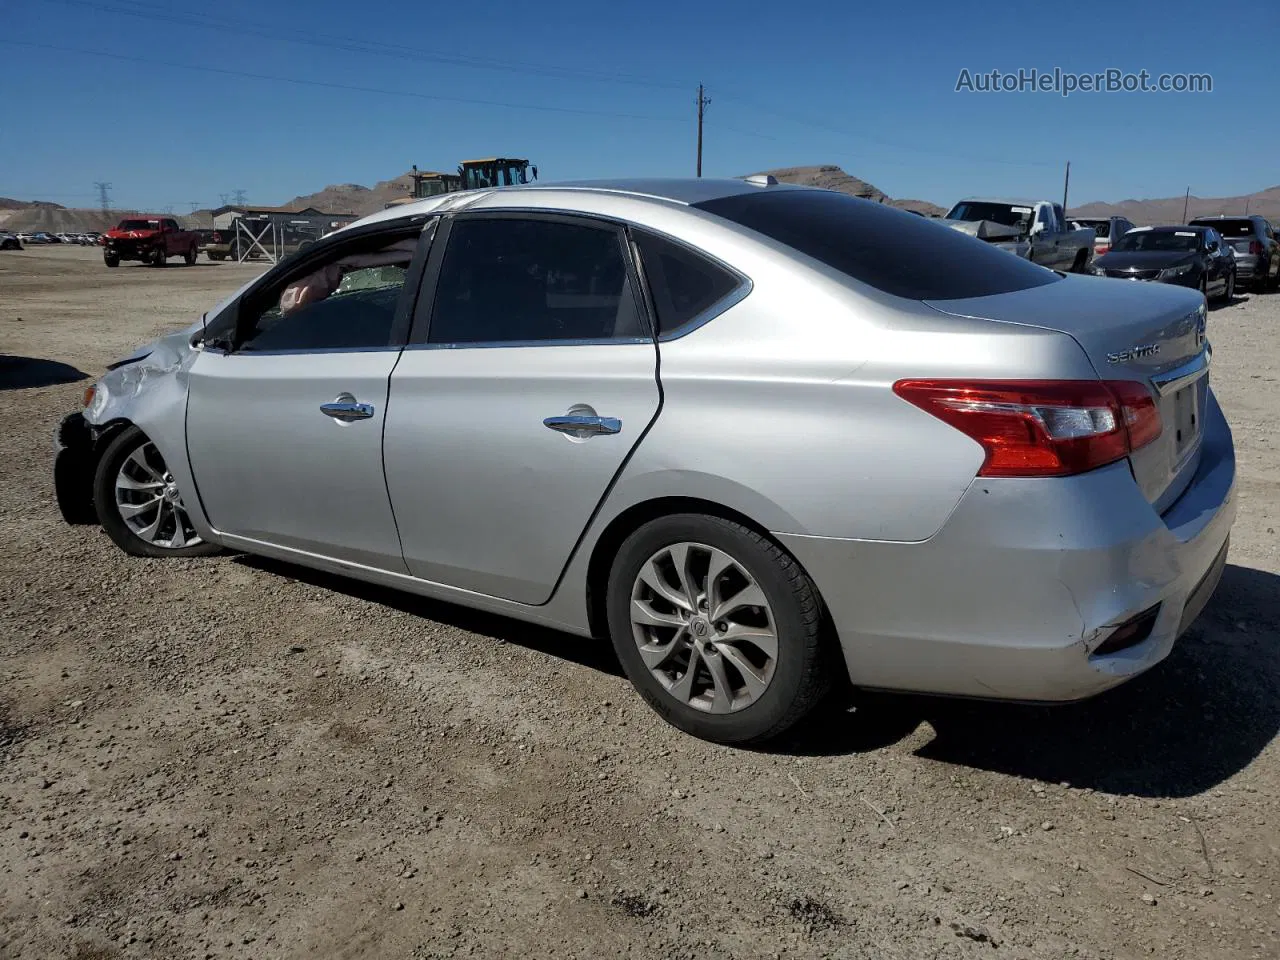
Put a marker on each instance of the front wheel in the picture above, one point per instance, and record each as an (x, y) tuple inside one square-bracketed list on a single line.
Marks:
[(718, 628), (138, 502), (159, 257), (112, 262)]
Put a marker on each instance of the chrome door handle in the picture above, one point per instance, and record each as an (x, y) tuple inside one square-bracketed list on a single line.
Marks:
[(346, 408), (583, 426)]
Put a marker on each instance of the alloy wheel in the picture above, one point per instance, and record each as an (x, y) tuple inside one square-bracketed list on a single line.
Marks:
[(149, 503), (704, 628)]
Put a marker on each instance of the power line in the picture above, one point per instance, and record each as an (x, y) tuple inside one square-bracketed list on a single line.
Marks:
[(340, 86), (377, 48), (104, 197), (881, 141), (238, 198)]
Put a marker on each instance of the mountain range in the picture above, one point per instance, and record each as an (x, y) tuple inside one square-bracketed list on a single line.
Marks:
[(33, 215)]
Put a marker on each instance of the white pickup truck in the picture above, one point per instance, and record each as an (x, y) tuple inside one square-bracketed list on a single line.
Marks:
[(1035, 230)]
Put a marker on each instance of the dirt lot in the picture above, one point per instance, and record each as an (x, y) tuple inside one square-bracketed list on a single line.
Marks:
[(234, 758)]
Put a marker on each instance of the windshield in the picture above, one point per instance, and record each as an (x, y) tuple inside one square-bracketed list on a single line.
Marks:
[(139, 225), (1229, 228), (1005, 213), (1159, 240)]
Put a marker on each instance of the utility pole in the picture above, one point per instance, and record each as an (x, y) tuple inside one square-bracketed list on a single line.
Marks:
[(1185, 201), (238, 198), (1246, 206), (222, 199), (104, 198), (194, 205), (702, 106), (1066, 183)]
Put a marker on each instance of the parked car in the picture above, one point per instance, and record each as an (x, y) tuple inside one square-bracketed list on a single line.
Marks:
[(1257, 249), (1106, 231), (27, 238), (9, 241), (1186, 256), (1035, 230), (149, 239), (764, 448)]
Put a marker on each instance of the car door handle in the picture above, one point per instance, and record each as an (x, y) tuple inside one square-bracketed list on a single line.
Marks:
[(583, 426), (346, 408)]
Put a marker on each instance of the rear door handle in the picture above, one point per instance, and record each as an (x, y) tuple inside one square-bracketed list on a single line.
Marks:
[(583, 426), (346, 408)]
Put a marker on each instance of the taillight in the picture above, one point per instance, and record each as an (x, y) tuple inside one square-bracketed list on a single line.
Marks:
[(1042, 428), (1100, 248), (1255, 247)]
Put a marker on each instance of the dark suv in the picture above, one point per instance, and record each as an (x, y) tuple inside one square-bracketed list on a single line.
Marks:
[(1257, 249)]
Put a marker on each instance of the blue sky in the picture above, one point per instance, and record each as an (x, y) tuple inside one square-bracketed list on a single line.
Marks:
[(868, 87)]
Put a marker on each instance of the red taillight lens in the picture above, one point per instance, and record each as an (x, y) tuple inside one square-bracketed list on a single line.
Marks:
[(1100, 248), (1042, 428), (1255, 247)]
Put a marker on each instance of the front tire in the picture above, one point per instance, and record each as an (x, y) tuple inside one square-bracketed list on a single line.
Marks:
[(138, 503), (111, 261), (190, 257), (718, 628), (159, 258)]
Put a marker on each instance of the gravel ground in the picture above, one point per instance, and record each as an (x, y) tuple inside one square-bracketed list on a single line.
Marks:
[(236, 758)]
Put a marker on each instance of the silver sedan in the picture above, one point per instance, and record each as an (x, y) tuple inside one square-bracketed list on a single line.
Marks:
[(759, 436)]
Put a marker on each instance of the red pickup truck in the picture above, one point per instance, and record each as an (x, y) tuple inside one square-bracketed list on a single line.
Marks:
[(150, 240)]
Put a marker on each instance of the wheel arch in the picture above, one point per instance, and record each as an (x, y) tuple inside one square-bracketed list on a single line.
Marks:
[(632, 519)]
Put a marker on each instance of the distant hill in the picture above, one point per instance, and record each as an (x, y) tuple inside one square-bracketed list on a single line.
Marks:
[(34, 216), (1265, 203), (354, 198), (831, 177)]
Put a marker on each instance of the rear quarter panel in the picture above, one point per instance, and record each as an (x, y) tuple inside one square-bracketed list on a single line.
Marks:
[(782, 407)]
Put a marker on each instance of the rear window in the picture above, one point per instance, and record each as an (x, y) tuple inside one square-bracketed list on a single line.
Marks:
[(885, 248), (139, 225), (1228, 228)]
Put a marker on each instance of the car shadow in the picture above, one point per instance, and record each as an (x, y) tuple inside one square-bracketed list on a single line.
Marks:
[(21, 373), (1184, 727), (594, 654), (1187, 725)]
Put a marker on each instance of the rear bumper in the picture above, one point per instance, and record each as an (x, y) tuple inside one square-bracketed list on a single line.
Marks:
[(1246, 266), (1011, 598)]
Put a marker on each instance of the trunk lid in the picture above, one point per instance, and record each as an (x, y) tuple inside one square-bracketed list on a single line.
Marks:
[(1154, 333)]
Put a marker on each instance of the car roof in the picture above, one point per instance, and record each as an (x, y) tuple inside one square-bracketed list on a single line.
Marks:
[(679, 191), (1168, 227)]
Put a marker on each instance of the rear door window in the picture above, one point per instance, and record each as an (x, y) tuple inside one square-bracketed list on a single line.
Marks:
[(888, 249), (686, 286)]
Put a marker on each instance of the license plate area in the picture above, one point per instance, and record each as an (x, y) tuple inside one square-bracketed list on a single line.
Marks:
[(1186, 418)]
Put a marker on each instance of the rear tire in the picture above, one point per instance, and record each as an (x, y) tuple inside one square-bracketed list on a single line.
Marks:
[(1081, 264), (137, 503), (190, 257), (1229, 294), (719, 702)]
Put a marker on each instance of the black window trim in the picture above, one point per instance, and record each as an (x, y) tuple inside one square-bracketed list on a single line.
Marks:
[(302, 260), (420, 328), (741, 290)]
